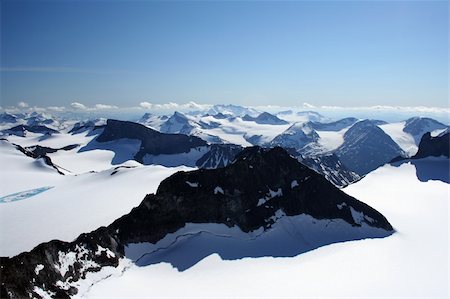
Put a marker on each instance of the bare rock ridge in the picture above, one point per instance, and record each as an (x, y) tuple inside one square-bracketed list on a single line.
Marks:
[(258, 185), (434, 146)]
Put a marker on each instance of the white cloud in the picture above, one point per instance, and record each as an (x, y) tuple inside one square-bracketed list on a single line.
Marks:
[(78, 106), (172, 106), (104, 106), (389, 108), (22, 105), (308, 106), (56, 108), (146, 105)]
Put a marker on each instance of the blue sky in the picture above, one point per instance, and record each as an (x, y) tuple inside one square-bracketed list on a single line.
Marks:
[(250, 53)]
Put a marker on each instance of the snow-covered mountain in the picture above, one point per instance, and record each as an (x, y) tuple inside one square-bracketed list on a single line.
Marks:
[(296, 136), (177, 123), (153, 121), (197, 208), (366, 147), (418, 126), (407, 134)]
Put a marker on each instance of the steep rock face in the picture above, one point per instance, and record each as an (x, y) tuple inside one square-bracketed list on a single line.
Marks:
[(218, 156), (329, 166), (366, 147), (418, 126), (247, 194), (152, 142), (296, 136), (433, 146)]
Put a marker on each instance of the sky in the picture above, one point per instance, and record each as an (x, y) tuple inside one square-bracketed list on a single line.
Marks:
[(122, 53)]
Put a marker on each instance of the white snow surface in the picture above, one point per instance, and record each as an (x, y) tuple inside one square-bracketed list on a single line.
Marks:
[(412, 263), (75, 204), (403, 139), (331, 140)]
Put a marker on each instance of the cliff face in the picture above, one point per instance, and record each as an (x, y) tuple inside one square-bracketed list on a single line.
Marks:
[(433, 146)]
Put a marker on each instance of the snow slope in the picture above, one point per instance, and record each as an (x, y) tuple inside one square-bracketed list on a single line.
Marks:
[(412, 263), (74, 205)]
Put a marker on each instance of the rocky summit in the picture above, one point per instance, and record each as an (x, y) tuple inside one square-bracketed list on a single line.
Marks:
[(257, 190)]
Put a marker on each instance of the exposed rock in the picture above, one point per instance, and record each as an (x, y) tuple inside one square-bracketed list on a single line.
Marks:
[(433, 146)]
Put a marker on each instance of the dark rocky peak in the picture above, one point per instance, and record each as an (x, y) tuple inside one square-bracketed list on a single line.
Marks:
[(219, 155), (334, 126), (433, 146), (257, 184), (117, 129)]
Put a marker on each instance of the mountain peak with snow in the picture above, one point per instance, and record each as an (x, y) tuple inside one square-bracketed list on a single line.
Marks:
[(296, 136), (366, 147)]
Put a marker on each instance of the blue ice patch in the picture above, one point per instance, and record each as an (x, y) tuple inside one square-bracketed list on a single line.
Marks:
[(23, 194)]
